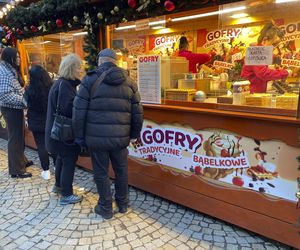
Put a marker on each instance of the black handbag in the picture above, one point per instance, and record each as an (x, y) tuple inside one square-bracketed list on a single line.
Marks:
[(62, 126)]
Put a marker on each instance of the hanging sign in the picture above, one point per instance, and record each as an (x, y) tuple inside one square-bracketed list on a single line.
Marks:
[(259, 55)]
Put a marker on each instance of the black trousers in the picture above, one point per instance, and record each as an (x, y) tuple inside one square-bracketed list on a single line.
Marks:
[(14, 119), (39, 138), (64, 170), (100, 160)]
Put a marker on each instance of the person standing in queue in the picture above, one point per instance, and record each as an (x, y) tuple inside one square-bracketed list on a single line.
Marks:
[(12, 108), (107, 117), (193, 58), (61, 97), (259, 75), (36, 95)]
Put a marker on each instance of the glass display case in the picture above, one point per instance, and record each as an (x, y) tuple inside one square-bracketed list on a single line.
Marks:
[(49, 50), (227, 33)]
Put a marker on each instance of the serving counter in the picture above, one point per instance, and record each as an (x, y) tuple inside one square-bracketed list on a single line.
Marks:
[(210, 160)]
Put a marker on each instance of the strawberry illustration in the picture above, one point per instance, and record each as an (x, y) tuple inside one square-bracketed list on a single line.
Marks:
[(224, 153), (260, 168), (238, 181), (198, 170)]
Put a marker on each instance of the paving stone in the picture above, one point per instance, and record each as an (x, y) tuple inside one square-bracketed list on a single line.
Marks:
[(232, 247), (27, 245), (72, 242), (43, 245)]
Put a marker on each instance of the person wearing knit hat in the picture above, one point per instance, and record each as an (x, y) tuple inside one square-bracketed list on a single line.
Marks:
[(107, 116), (108, 53)]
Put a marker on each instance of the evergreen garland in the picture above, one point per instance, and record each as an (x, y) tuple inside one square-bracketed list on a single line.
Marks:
[(53, 16)]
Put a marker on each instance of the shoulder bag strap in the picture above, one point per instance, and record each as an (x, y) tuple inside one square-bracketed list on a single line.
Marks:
[(57, 102), (99, 81)]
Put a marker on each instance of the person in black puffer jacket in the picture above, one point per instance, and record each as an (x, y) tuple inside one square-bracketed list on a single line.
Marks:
[(36, 95), (106, 118)]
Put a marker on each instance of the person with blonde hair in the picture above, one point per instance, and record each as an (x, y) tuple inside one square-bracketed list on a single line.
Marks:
[(61, 97)]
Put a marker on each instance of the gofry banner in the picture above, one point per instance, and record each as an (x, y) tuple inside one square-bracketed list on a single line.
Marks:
[(268, 167)]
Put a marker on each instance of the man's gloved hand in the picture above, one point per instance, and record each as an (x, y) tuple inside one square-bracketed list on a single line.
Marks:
[(80, 142)]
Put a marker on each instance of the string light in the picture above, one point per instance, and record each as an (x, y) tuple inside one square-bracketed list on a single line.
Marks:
[(9, 6)]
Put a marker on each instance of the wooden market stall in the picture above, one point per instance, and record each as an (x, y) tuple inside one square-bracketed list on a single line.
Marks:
[(226, 153)]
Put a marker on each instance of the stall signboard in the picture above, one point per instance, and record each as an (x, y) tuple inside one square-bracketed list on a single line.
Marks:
[(148, 73), (167, 45), (136, 46), (142, 24), (221, 157)]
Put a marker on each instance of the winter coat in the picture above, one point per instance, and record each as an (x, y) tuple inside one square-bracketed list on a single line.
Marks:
[(194, 59), (11, 92), (260, 75), (113, 114), (37, 106), (67, 93)]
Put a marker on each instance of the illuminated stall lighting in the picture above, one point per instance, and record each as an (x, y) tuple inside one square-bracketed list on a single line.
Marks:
[(133, 26), (45, 42), (157, 22), (80, 33), (285, 1), (239, 15), (213, 13), (157, 27), (126, 27)]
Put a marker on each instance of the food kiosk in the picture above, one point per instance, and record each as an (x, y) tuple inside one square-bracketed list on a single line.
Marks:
[(207, 142)]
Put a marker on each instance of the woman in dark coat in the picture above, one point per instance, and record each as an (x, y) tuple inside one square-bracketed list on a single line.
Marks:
[(36, 95), (64, 89)]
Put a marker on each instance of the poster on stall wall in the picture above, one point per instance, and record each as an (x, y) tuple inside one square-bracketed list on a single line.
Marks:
[(148, 72), (221, 157), (136, 46), (167, 45)]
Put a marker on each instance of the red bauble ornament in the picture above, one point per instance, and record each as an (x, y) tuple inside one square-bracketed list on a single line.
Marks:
[(169, 5), (33, 28), (59, 23), (132, 4)]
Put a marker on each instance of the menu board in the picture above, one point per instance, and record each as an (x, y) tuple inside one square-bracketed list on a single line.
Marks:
[(148, 67)]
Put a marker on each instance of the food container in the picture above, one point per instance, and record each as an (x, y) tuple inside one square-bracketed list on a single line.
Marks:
[(186, 84), (287, 101), (180, 94), (259, 100), (215, 83), (189, 76), (240, 90)]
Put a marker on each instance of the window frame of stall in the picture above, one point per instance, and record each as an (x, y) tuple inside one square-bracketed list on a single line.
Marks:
[(37, 50)]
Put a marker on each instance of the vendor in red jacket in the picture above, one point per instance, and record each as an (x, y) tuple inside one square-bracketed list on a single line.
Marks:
[(193, 58), (259, 75)]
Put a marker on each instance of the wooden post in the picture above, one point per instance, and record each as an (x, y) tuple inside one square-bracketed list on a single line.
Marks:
[(298, 109)]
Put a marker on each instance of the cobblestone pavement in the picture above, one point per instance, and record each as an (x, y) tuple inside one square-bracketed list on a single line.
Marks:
[(31, 218)]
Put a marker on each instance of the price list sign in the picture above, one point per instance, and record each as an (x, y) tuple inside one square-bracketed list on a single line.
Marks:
[(149, 78)]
